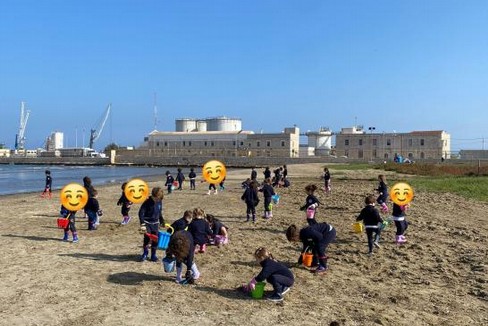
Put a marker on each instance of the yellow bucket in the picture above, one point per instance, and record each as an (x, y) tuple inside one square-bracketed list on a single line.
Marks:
[(358, 227)]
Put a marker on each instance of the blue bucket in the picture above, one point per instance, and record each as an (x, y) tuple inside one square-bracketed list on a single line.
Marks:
[(163, 240), (168, 264), (276, 199)]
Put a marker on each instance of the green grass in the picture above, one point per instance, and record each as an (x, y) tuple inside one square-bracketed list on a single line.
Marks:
[(351, 166), (469, 187)]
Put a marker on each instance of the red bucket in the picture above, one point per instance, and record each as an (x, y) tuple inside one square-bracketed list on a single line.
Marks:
[(63, 223)]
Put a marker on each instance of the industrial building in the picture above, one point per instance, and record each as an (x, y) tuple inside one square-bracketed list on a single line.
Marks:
[(355, 143), (221, 136)]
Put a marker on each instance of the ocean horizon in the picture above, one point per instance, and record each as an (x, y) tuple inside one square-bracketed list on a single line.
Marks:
[(16, 179)]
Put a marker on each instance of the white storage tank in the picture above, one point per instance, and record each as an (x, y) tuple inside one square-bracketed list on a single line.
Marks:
[(185, 125), (321, 141), (201, 125), (224, 124)]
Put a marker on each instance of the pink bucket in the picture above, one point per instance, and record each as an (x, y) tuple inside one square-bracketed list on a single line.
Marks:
[(221, 240), (310, 212)]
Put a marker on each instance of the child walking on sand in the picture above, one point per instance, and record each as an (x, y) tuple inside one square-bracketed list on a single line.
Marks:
[(151, 217), (181, 247), (48, 187), (273, 272), (400, 222), (71, 216), (125, 206), (250, 197), (93, 211), (200, 230), (192, 176), (326, 177), (311, 204), (383, 193), (372, 222), (169, 182), (268, 193)]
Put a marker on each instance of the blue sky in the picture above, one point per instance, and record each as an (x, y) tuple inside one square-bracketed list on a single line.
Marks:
[(393, 64)]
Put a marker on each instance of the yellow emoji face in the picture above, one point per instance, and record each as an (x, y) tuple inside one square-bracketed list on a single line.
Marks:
[(401, 193), (74, 197), (136, 191), (214, 172)]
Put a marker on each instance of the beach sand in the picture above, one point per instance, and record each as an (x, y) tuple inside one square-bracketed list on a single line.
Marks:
[(438, 278)]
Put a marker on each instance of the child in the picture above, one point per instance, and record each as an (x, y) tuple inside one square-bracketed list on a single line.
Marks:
[(267, 173), (182, 223), (383, 193), (316, 237), (151, 217), (48, 186), (126, 204), (71, 216), (268, 192), (219, 230), (169, 182), (372, 222), (326, 177), (250, 196), (182, 248), (400, 222), (192, 176), (311, 204), (222, 185), (273, 272), (180, 178), (254, 174), (92, 210), (200, 230)]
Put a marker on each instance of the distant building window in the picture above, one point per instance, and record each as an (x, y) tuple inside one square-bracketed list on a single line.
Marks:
[(189, 143), (268, 143), (234, 143), (422, 155), (157, 144), (282, 143), (360, 153), (258, 143), (375, 154), (360, 142), (184, 143), (422, 142), (388, 142), (212, 143), (346, 142), (386, 156), (410, 155), (165, 144), (346, 153), (242, 143), (375, 142), (410, 142), (205, 143)]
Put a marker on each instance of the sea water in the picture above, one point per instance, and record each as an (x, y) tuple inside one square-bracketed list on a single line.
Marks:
[(31, 178)]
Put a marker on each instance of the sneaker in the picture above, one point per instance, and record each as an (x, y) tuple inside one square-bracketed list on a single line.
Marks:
[(285, 290), (275, 297), (376, 244), (75, 240), (320, 269), (370, 253)]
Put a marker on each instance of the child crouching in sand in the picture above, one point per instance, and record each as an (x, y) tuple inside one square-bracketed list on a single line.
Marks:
[(182, 248), (273, 272)]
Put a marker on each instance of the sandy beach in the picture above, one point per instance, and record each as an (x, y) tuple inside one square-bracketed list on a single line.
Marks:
[(438, 278)]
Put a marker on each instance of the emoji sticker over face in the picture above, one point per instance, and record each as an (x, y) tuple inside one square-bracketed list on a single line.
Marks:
[(401, 193), (74, 197), (136, 191), (214, 172)]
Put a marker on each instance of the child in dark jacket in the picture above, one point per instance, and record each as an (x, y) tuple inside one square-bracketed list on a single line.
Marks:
[(400, 222), (169, 182), (372, 223), (151, 217), (48, 187), (273, 272), (383, 193), (220, 236), (192, 176), (93, 211), (316, 237), (181, 246), (200, 230), (71, 216), (184, 222), (180, 177), (250, 197), (125, 206), (311, 204), (268, 193)]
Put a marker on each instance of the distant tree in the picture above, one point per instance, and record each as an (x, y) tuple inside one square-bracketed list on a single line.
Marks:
[(111, 146)]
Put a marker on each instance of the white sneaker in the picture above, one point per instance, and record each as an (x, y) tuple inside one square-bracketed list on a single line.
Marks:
[(376, 244)]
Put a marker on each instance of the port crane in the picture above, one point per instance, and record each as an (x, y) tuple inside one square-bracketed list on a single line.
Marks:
[(96, 131), (20, 137)]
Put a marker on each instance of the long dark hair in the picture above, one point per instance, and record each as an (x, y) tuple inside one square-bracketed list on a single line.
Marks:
[(179, 246)]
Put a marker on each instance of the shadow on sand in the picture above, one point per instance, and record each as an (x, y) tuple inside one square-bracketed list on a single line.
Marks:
[(32, 237), (106, 257), (135, 278)]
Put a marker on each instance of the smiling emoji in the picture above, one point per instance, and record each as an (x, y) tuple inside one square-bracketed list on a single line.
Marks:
[(74, 197), (136, 191), (214, 171), (401, 193)]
